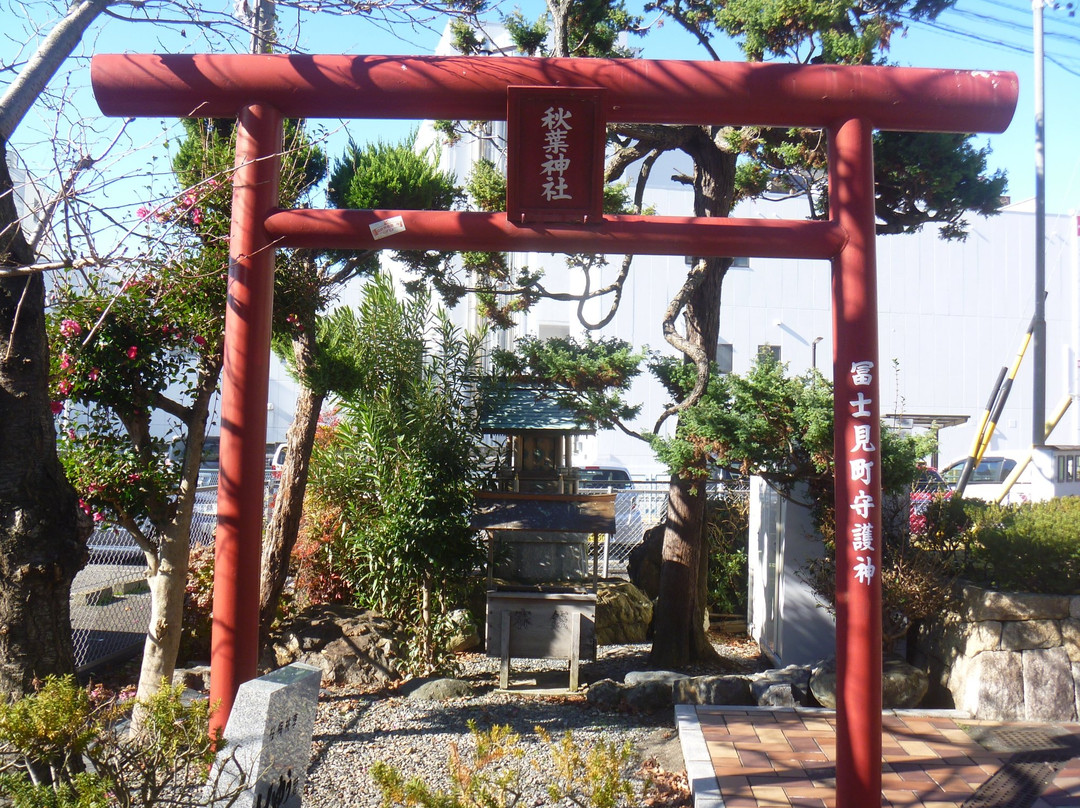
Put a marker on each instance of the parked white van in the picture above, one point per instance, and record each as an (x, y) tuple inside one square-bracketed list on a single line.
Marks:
[(1054, 471)]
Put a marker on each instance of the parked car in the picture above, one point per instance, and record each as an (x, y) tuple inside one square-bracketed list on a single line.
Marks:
[(629, 526), (988, 478), (277, 461), (607, 478), (924, 490)]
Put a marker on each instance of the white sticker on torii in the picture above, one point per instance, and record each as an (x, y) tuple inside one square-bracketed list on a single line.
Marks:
[(387, 227)]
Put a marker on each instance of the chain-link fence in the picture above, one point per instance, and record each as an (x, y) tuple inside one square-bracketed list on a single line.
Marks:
[(639, 508), (110, 599)]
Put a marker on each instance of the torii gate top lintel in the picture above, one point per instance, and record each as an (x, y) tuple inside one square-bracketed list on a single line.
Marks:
[(849, 102), (474, 88)]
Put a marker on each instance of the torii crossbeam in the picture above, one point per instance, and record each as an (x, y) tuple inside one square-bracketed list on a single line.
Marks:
[(848, 102)]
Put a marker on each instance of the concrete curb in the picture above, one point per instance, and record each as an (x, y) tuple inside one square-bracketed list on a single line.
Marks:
[(699, 766)]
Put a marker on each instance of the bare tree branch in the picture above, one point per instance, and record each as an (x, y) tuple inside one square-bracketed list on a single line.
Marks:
[(42, 66)]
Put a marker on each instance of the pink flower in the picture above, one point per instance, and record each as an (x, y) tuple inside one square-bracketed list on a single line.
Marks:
[(99, 516), (57, 407), (93, 374), (71, 434), (65, 361), (132, 352), (64, 387), (196, 216), (143, 212), (189, 200), (84, 506), (70, 328), (200, 341)]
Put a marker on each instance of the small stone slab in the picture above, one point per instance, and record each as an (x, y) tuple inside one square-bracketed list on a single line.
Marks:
[(268, 740)]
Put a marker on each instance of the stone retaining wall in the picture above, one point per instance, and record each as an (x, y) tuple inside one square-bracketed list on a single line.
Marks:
[(1005, 656)]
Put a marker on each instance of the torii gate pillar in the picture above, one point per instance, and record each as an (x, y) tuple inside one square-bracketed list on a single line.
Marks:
[(234, 641), (857, 442)]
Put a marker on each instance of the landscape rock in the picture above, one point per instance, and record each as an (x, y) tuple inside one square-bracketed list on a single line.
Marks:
[(784, 687), (440, 690), (647, 691), (986, 604), (990, 686), (903, 686), (647, 697), (465, 636), (351, 646), (994, 637), (645, 559), (731, 689), (983, 636), (623, 613), (1070, 638), (1076, 678), (1049, 694), (654, 686), (1028, 634), (823, 683), (605, 694), (640, 677), (196, 677)]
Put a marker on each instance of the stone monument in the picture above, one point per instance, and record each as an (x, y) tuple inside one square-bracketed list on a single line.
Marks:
[(268, 741)]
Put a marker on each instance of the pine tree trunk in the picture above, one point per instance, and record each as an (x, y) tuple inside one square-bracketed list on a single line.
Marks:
[(42, 530), (288, 507), (680, 631), (673, 620)]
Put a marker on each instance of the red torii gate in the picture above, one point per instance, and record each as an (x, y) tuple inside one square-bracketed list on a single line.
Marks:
[(848, 102)]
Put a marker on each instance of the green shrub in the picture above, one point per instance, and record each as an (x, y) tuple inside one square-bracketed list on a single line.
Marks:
[(1031, 547), (65, 747), (588, 775)]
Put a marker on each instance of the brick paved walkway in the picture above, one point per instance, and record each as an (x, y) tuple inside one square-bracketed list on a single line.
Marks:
[(776, 758)]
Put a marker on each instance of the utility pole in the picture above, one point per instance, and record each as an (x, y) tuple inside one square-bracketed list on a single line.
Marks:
[(1038, 398), (1074, 355)]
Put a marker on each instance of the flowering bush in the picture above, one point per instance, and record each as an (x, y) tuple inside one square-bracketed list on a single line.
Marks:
[(127, 351), (139, 354)]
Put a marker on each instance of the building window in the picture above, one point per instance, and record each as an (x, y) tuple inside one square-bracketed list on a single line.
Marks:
[(724, 356), (553, 331), (773, 350), (1068, 468)]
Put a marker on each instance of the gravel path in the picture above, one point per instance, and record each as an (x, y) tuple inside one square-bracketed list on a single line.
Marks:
[(354, 729)]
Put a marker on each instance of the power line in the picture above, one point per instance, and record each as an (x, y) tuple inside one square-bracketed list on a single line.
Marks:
[(1015, 26), (1066, 18), (1000, 44)]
